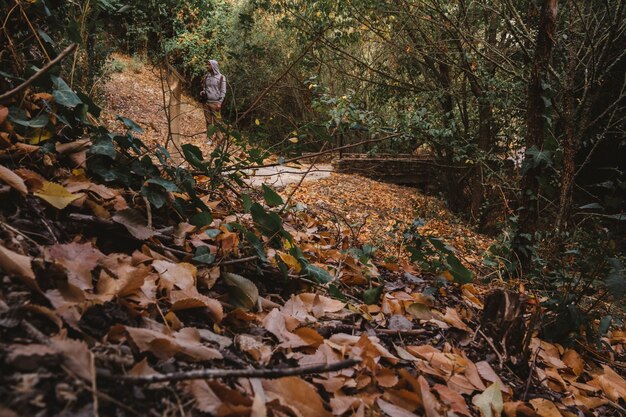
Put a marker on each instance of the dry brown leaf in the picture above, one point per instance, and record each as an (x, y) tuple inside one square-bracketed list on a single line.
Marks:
[(4, 113), (518, 409), (33, 180), (19, 265), (387, 378), (452, 318), (340, 404), (489, 402), (213, 398), (185, 342), (545, 408), (79, 260), (393, 410), (142, 369), (175, 275), (259, 351), (134, 222), (613, 385), (296, 394), (76, 356), (191, 298), (275, 323), (488, 374), (431, 406), (574, 361), (13, 180), (452, 400)]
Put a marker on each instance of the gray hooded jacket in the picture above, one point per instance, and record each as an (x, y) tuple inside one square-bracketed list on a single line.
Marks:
[(215, 84)]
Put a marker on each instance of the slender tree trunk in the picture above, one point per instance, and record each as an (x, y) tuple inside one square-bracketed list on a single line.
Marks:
[(536, 126), (570, 148)]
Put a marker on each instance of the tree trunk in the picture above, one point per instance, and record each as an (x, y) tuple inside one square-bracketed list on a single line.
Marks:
[(174, 145), (535, 125)]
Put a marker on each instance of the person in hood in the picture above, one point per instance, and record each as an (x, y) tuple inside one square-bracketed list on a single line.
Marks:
[(213, 92)]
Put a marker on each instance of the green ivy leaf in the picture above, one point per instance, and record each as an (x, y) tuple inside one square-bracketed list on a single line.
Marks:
[(204, 255), (168, 185), (103, 146), (155, 195), (201, 219), (63, 94), (460, 273), (318, 274), (371, 296), (271, 197), (269, 224), (130, 124)]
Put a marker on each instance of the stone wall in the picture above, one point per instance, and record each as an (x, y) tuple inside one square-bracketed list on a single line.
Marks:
[(399, 169)]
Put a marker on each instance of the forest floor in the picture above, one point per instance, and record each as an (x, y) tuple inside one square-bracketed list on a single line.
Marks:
[(377, 217), (109, 306)]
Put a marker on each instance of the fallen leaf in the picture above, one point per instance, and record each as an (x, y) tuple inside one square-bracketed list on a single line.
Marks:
[(545, 408), (394, 410), (79, 259), (574, 361), (15, 264), (175, 275), (76, 356), (191, 298), (185, 342), (13, 180), (297, 395), (218, 400), (452, 400), (613, 385), (431, 406), (243, 292), (490, 401), (452, 318), (420, 311), (56, 195), (290, 261), (134, 222), (4, 113)]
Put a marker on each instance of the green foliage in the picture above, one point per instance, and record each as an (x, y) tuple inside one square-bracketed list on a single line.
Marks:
[(432, 255)]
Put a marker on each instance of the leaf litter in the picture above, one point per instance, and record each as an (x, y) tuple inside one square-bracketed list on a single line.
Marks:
[(84, 303)]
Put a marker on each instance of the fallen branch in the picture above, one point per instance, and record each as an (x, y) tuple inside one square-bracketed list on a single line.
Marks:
[(234, 373), (39, 73)]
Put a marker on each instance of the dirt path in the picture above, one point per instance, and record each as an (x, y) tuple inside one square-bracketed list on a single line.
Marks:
[(379, 213), (282, 176)]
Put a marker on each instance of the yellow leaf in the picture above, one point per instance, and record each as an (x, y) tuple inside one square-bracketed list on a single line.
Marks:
[(293, 140), (40, 135), (56, 195), (256, 122), (290, 261)]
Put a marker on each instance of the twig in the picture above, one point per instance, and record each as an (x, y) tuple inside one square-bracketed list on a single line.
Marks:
[(39, 73), (238, 261), (301, 181), (530, 375), (493, 347), (94, 386), (409, 332), (234, 373)]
